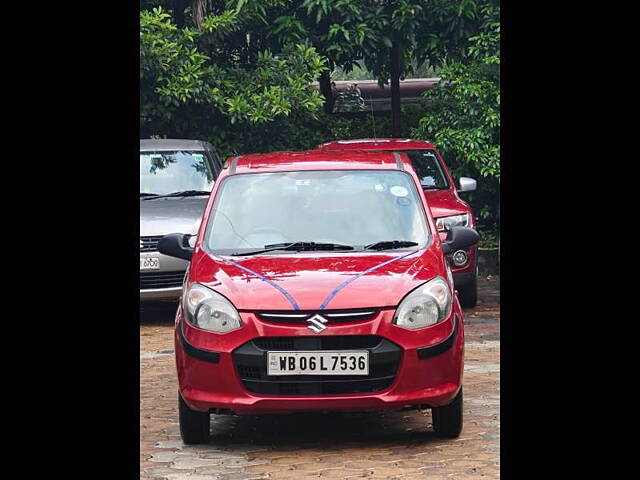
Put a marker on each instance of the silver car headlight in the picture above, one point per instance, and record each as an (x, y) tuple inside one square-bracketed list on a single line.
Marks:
[(445, 223), (209, 310), (428, 304)]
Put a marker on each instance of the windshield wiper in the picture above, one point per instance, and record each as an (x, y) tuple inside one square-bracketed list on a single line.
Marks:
[(184, 193), (310, 246), (144, 194), (296, 246), (390, 244)]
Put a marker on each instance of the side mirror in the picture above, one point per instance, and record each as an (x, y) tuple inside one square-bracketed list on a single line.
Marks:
[(459, 238), (467, 184), (176, 245)]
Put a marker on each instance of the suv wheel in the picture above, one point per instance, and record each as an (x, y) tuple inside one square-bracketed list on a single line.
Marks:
[(468, 294), (447, 420), (194, 425)]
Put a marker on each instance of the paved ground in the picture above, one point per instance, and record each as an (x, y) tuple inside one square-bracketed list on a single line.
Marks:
[(396, 445)]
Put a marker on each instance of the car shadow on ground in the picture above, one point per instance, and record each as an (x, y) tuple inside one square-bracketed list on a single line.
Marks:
[(320, 429), (157, 313)]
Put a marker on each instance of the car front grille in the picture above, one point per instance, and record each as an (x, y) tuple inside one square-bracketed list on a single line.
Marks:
[(160, 280), (332, 316), (149, 244), (251, 363)]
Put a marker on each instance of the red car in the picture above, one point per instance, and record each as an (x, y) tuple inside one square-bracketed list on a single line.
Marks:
[(447, 207), (316, 283)]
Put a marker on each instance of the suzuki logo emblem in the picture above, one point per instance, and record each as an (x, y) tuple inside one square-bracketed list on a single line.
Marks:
[(317, 323)]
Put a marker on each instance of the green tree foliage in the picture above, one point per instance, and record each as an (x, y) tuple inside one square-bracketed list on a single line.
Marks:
[(465, 119), (190, 71), (356, 32), (300, 132), (391, 37), (336, 28), (466, 122)]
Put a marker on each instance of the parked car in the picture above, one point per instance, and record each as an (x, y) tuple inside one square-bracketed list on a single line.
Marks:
[(317, 283), (442, 194), (176, 177)]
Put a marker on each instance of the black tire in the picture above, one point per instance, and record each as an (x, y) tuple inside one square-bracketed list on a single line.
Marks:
[(194, 425), (468, 294), (447, 420)]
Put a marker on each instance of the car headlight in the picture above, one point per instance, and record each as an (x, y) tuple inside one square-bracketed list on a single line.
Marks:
[(428, 304), (209, 310), (445, 223)]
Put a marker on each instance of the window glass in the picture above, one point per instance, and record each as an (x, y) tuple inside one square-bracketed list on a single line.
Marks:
[(428, 168), (352, 207), (168, 172)]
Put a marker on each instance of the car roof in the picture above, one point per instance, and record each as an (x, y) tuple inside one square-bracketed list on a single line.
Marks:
[(376, 144), (315, 160), (167, 144)]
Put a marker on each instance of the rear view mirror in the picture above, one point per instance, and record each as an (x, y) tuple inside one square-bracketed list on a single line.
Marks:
[(176, 245), (467, 184), (459, 238)]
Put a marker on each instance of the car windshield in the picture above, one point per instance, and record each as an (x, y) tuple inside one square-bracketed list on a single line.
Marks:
[(168, 172), (346, 207), (428, 168)]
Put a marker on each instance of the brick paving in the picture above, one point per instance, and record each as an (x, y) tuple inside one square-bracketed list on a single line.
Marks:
[(390, 445)]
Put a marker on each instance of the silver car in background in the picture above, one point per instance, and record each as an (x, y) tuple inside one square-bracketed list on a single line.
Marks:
[(176, 177)]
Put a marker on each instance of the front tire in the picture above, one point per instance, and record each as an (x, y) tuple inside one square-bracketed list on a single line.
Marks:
[(468, 294), (194, 425), (447, 420)]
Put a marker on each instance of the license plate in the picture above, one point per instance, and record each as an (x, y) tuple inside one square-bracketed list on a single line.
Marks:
[(318, 363), (150, 263)]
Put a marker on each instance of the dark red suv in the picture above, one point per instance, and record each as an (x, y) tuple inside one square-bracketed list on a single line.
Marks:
[(447, 208)]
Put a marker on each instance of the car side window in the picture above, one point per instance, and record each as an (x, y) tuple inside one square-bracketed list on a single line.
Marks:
[(215, 161), (428, 168)]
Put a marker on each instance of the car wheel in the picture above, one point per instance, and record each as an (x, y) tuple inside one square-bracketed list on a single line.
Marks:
[(194, 425), (468, 294), (447, 420)]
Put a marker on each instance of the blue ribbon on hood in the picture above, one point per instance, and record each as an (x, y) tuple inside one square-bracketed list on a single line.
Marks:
[(290, 298)]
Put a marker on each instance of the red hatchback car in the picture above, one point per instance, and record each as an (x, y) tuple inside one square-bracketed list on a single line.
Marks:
[(316, 283), (447, 208)]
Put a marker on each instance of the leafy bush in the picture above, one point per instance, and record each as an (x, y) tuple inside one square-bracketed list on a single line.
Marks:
[(464, 121), (489, 239), (298, 131), (188, 72)]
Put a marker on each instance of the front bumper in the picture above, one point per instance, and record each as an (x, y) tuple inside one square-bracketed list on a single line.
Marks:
[(468, 272), (162, 294), (429, 371), (164, 284)]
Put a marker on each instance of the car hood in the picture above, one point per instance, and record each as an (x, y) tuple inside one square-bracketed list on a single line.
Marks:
[(310, 278), (171, 215), (444, 203)]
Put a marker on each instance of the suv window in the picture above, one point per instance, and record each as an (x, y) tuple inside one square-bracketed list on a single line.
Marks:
[(428, 168), (215, 160), (167, 172)]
